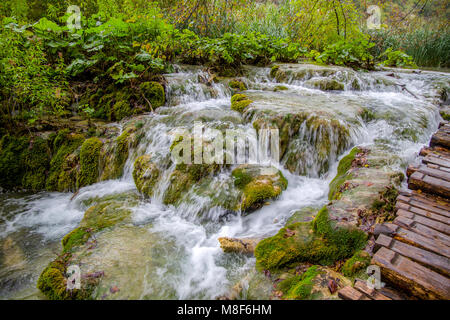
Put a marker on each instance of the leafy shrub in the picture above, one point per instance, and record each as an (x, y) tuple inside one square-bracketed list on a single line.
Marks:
[(353, 54), (397, 59)]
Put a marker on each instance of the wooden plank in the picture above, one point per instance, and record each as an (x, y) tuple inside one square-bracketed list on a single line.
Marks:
[(436, 202), (436, 262), (442, 162), (430, 215), (349, 293), (424, 206), (433, 172), (440, 139), (371, 293), (438, 226), (419, 181), (411, 276), (419, 240), (421, 229)]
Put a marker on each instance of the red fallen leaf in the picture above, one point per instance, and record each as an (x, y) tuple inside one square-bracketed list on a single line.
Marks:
[(114, 289), (289, 233), (332, 286)]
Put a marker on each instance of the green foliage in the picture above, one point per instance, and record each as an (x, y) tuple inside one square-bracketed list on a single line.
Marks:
[(29, 87), (353, 54), (397, 59)]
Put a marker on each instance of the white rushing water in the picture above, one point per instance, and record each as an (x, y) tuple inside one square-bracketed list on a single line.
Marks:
[(199, 268)]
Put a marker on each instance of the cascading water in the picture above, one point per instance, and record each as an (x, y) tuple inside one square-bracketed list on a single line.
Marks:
[(181, 256)]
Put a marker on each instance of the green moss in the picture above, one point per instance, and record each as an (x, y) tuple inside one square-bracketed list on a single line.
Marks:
[(64, 145), (367, 115), (76, 237), (273, 71), (145, 175), (301, 286), (328, 85), (122, 109), (342, 174), (359, 261), (24, 162), (280, 88), (121, 151), (445, 116), (384, 205), (316, 242), (239, 102), (153, 92), (89, 162), (52, 282), (104, 215), (184, 176), (238, 85), (241, 177), (257, 192), (257, 188)]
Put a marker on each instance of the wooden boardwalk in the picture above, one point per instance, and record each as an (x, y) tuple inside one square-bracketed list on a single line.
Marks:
[(413, 252)]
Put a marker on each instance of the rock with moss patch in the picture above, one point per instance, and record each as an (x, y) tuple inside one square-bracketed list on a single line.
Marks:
[(230, 245), (325, 84), (356, 265), (313, 284), (239, 102), (320, 241), (89, 162), (237, 85), (154, 93), (24, 162), (258, 185), (145, 175)]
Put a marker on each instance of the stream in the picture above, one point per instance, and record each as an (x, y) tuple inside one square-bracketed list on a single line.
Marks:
[(172, 252)]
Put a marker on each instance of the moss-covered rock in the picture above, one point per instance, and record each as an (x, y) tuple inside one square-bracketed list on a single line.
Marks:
[(303, 215), (237, 85), (258, 184), (184, 177), (280, 88), (122, 109), (105, 214), (24, 162), (326, 84), (299, 287), (320, 241), (342, 173), (64, 162), (89, 162), (358, 262), (53, 282), (313, 284), (239, 102), (154, 93), (145, 175), (76, 237)]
